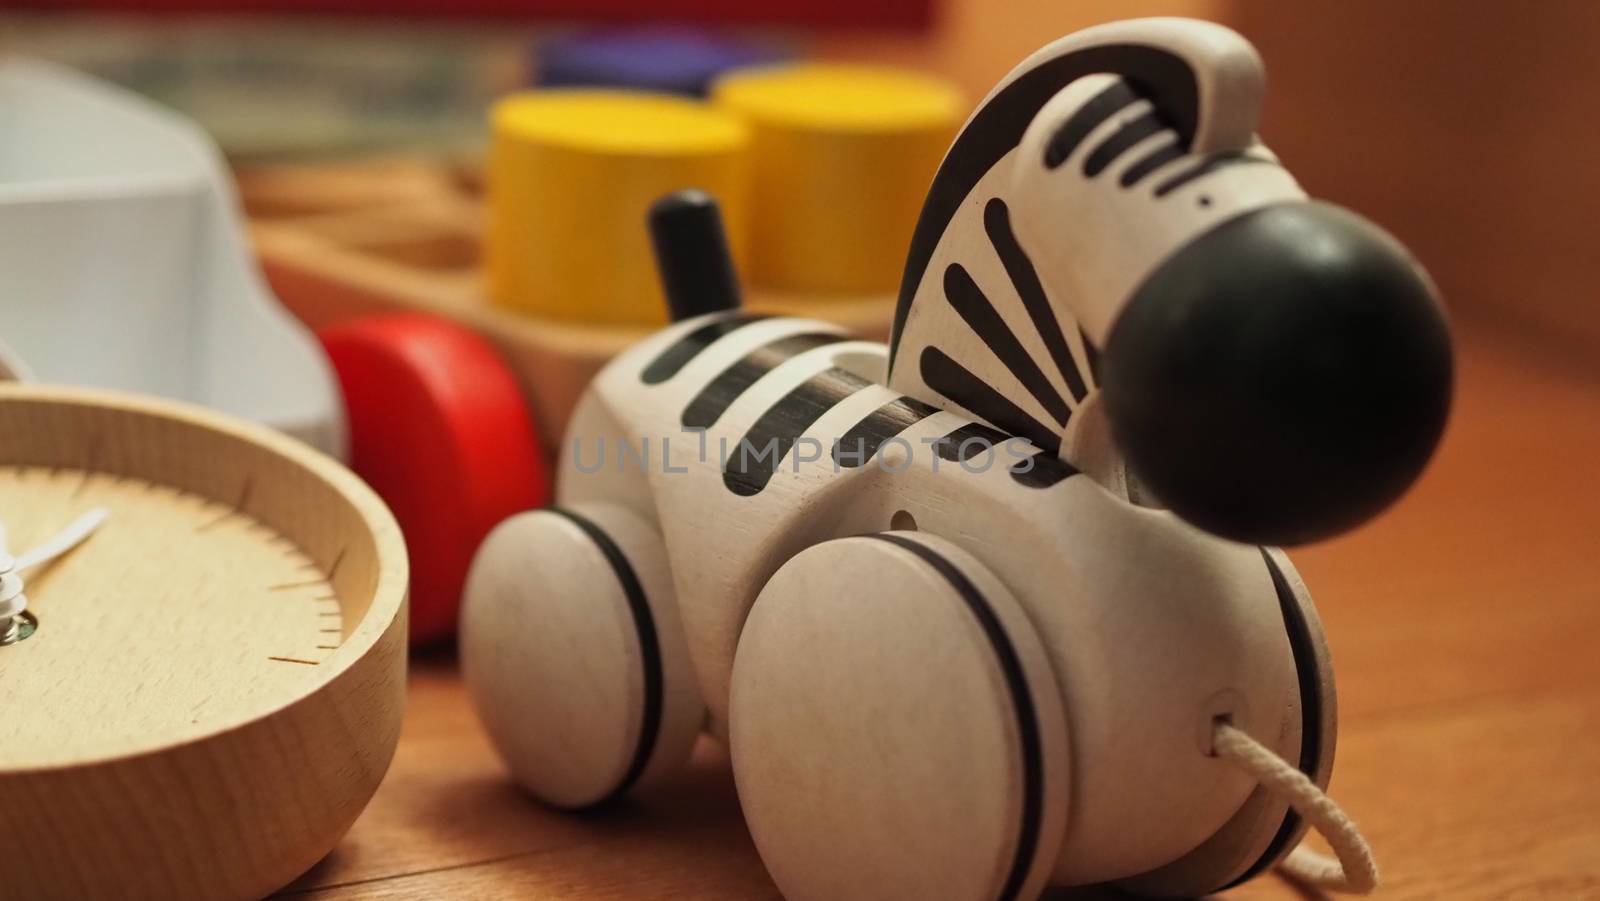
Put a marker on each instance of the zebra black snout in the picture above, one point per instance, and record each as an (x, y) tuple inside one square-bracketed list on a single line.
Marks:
[(1283, 378)]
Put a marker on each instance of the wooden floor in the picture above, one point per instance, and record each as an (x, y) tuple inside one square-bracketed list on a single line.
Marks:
[(1465, 628)]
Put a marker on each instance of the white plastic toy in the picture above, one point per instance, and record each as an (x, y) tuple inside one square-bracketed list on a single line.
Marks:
[(123, 263)]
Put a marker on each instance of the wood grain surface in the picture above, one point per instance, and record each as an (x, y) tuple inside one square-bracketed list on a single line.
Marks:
[(1463, 627)]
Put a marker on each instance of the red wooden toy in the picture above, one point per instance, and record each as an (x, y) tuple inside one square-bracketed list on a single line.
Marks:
[(439, 427)]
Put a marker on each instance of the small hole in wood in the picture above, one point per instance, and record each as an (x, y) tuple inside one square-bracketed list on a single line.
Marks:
[(1221, 719), (1226, 706), (902, 521)]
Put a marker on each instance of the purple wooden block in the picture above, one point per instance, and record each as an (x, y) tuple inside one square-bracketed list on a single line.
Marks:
[(676, 60)]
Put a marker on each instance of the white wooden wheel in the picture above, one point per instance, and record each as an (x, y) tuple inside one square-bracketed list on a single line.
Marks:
[(895, 728), (573, 652)]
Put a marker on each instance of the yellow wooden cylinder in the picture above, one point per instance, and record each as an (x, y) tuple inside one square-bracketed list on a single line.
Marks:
[(571, 176), (843, 156)]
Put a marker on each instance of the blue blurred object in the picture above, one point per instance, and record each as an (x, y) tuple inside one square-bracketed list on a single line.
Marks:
[(675, 60)]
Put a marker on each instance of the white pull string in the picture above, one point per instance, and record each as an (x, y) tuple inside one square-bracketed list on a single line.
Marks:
[(12, 599), (1354, 870)]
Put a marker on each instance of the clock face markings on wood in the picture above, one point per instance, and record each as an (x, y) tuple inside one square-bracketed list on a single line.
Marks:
[(213, 600), (219, 651)]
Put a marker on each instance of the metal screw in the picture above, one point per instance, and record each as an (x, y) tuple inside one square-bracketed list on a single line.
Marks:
[(11, 599), (21, 628)]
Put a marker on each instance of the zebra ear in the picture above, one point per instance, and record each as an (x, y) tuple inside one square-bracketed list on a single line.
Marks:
[(1202, 78), (1205, 80), (974, 330), (1216, 104)]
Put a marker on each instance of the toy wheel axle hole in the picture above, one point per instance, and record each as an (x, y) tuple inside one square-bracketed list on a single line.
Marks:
[(1226, 706), (1221, 719)]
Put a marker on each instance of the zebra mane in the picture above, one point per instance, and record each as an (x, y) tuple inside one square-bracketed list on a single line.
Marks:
[(974, 330)]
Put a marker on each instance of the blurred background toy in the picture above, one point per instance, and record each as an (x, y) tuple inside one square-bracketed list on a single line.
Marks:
[(126, 265), (821, 169), (569, 168), (439, 429), (842, 155), (678, 60)]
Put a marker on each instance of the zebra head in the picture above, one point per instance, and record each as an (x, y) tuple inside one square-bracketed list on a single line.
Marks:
[(1274, 369)]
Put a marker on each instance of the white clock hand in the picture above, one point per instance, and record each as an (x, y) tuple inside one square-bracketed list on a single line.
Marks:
[(64, 540), (12, 599)]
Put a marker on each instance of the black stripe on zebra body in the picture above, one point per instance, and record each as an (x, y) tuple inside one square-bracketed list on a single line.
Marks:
[(860, 443), (715, 398), (671, 361), (768, 441)]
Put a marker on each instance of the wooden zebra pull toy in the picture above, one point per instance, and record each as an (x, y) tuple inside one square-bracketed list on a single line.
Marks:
[(957, 647)]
